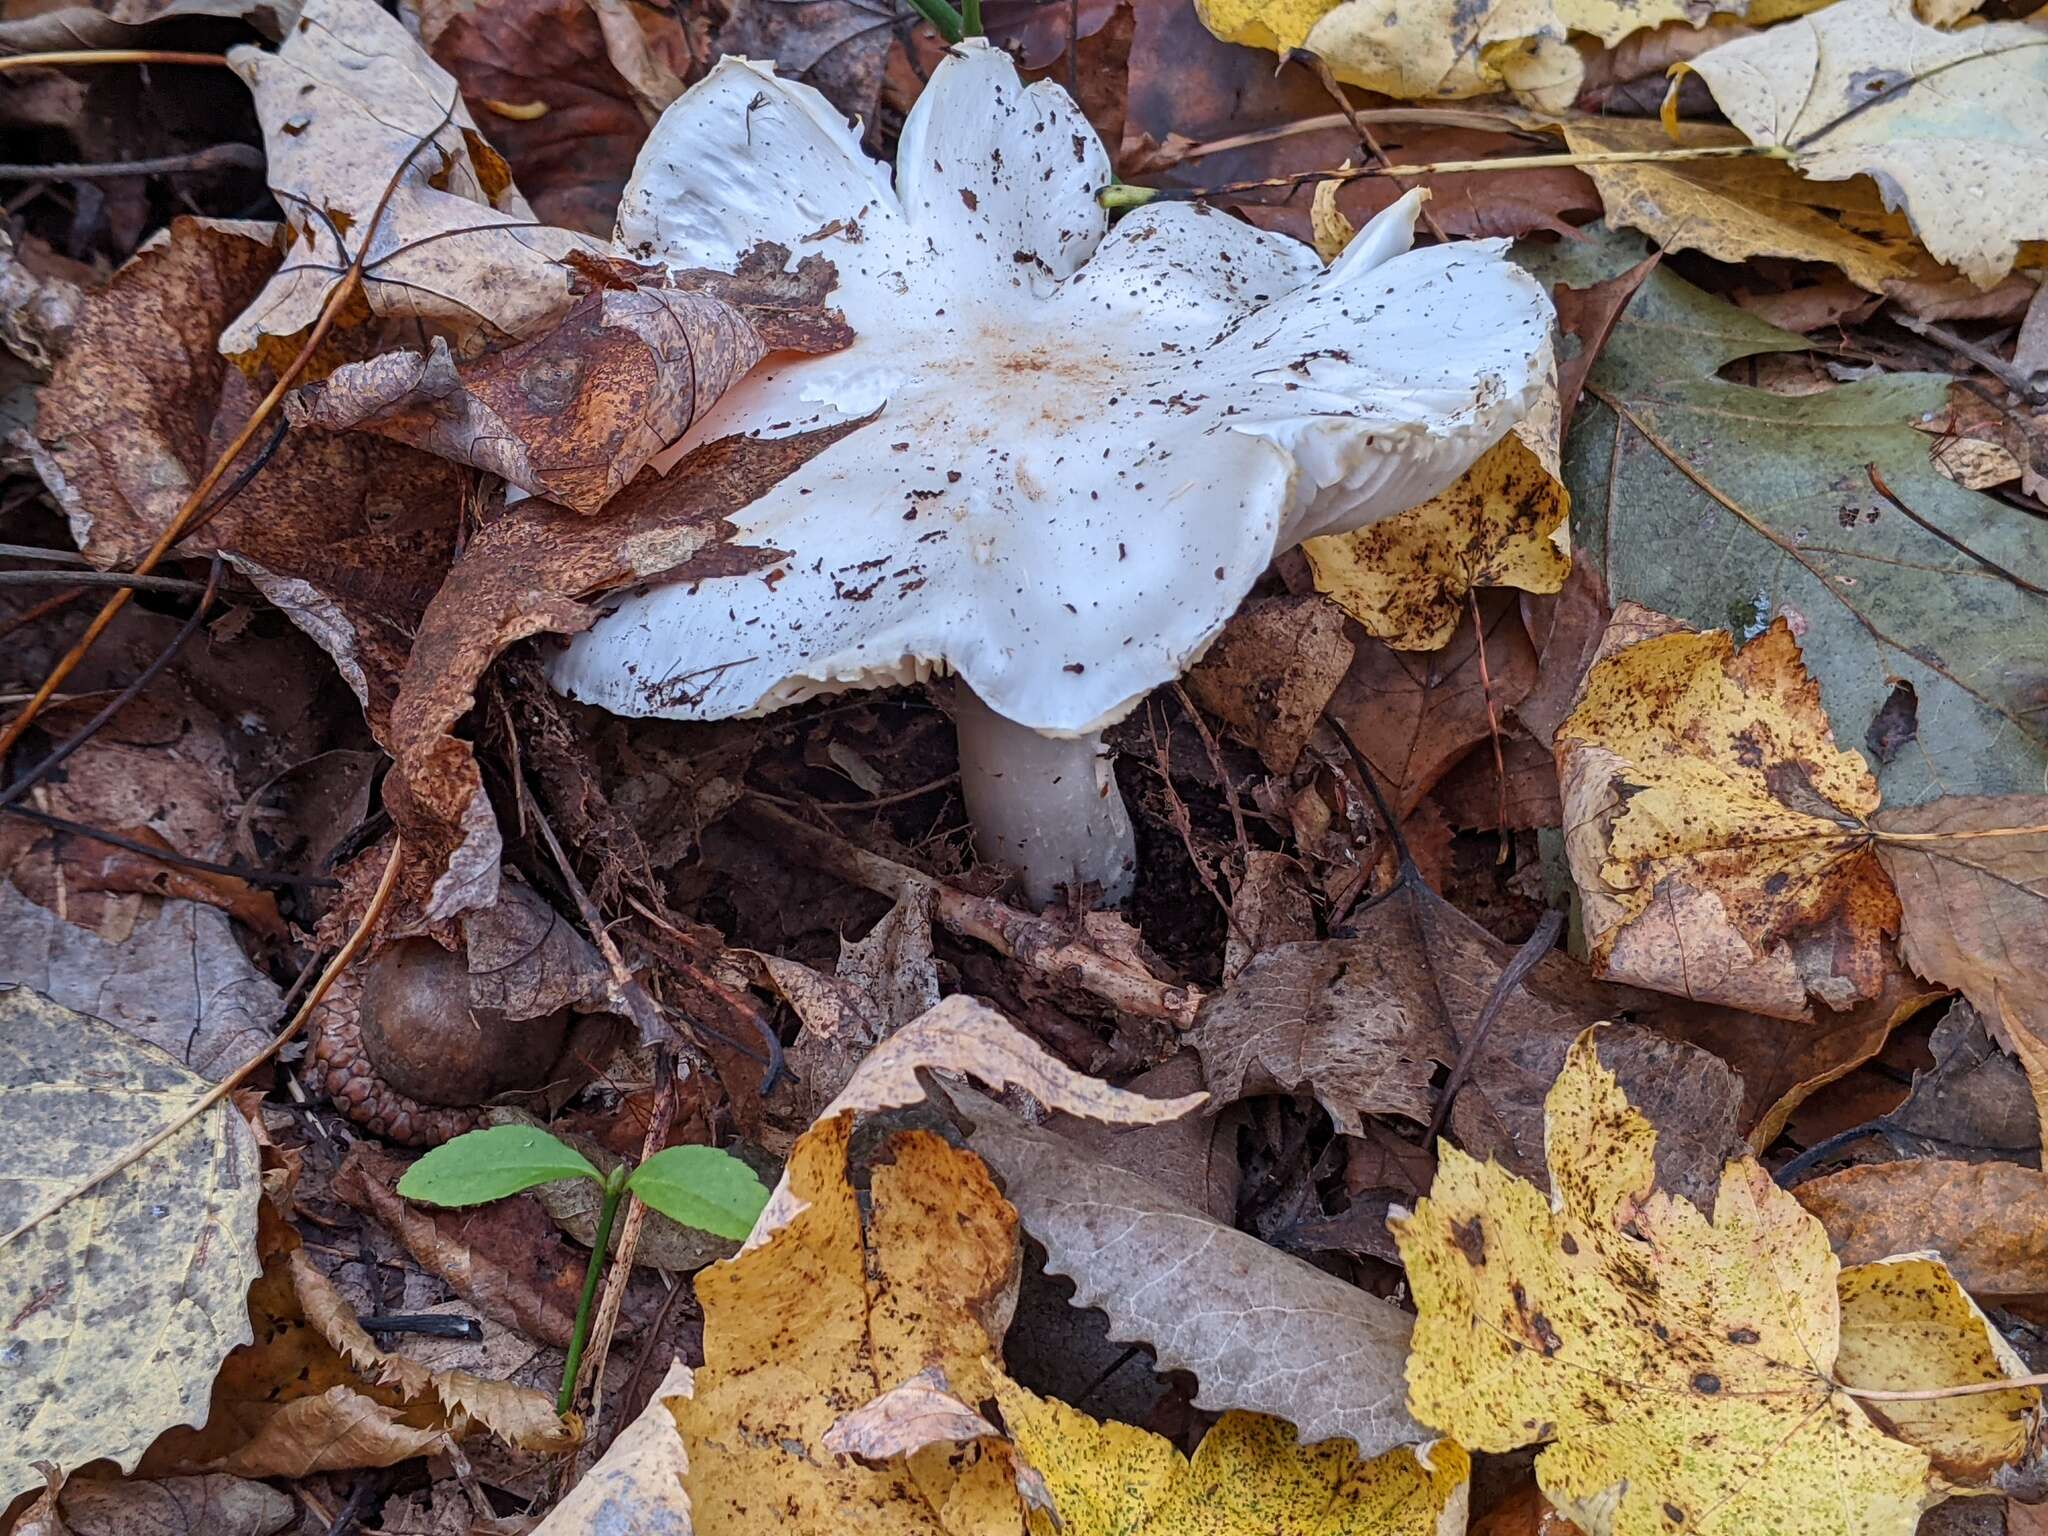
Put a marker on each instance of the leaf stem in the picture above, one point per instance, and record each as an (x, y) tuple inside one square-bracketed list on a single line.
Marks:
[(943, 18), (970, 18), (1935, 1394), (614, 1192), (1121, 196)]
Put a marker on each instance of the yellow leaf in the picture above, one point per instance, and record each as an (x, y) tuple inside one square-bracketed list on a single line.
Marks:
[(1866, 88), (1501, 525), (1332, 231), (1908, 1326), (1679, 1367), (637, 1488), (852, 1349), (121, 1305), (1717, 834), (1442, 49), (1733, 210)]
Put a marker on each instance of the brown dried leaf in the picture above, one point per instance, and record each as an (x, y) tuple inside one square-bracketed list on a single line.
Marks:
[(1258, 1328), (1781, 1068), (1566, 630), (335, 1431), (519, 1416), (348, 534), (1272, 670), (1475, 792), (1717, 834), (1988, 1221), (571, 158), (840, 47), (1972, 877), (1974, 1103), (507, 1258), (1366, 1023), (1414, 714), (529, 573), (347, 103), (218, 1505), (574, 413)]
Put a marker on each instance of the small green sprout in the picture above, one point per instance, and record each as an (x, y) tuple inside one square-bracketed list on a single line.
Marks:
[(699, 1187)]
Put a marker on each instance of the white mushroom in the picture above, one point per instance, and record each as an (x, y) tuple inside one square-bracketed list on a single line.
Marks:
[(1087, 444)]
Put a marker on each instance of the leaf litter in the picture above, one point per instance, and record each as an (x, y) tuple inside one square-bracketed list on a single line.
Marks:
[(1703, 707)]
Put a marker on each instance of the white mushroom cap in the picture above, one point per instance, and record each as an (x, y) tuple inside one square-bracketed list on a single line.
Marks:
[(1088, 443)]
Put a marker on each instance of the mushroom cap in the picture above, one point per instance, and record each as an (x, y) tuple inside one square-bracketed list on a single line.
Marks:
[(1086, 443)]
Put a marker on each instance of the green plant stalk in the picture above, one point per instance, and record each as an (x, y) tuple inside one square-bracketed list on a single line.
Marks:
[(970, 18), (944, 19), (614, 1193)]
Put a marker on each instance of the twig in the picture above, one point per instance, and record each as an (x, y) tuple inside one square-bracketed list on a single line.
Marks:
[(214, 157), (1405, 860), (1124, 195), (621, 1271), (1044, 946), (627, 993), (1892, 496), (70, 578), (150, 673), (1968, 350), (220, 1090), (1500, 762), (180, 524), (167, 855), (1184, 826), (1424, 117), (108, 56), (1525, 960), (874, 804), (1317, 65), (37, 552), (1223, 779)]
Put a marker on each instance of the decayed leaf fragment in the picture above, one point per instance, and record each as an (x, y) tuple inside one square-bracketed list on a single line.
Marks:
[(1972, 876), (121, 1304), (1502, 525), (347, 100), (1945, 122), (1682, 1368), (1719, 837), (573, 413)]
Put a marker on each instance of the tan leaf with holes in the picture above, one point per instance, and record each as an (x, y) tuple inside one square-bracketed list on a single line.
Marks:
[(1719, 837)]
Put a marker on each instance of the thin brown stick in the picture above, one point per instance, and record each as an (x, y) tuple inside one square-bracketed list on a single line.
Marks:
[(175, 530), (1500, 762), (627, 993), (69, 56), (1050, 948), (61, 576), (220, 1090), (242, 157), (168, 856), (1877, 483), (1425, 117), (621, 1271)]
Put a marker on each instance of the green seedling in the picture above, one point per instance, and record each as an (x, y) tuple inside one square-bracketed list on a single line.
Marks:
[(700, 1187)]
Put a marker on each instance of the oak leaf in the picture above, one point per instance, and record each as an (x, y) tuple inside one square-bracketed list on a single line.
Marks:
[(1687, 1370), (1718, 835)]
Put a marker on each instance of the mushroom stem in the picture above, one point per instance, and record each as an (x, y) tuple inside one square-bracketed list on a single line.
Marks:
[(1046, 806)]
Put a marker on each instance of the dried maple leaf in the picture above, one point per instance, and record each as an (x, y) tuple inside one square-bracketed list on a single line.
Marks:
[(1688, 1371), (349, 102), (1719, 837), (1989, 1221)]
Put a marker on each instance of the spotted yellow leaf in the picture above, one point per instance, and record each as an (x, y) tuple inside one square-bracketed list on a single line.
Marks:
[(1683, 1368), (1719, 837), (1501, 525)]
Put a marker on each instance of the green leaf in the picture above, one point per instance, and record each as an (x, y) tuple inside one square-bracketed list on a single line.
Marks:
[(491, 1164), (1930, 662), (701, 1187)]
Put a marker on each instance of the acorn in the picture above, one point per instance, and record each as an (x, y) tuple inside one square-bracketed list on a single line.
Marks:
[(424, 1037)]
